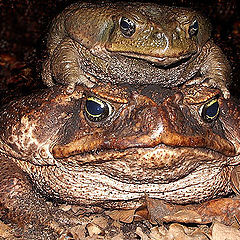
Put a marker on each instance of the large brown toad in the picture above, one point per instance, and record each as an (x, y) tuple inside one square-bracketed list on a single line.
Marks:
[(133, 43), (114, 145)]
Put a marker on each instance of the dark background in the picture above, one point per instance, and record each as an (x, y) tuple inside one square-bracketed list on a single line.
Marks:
[(24, 25)]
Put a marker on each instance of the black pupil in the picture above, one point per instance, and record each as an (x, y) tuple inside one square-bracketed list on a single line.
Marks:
[(193, 29), (212, 110), (94, 108), (127, 27), (125, 23), (195, 25)]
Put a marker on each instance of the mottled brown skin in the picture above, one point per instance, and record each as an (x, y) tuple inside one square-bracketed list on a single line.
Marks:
[(153, 142), (86, 45)]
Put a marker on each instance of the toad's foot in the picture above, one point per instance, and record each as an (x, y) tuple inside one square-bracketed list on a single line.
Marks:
[(210, 82)]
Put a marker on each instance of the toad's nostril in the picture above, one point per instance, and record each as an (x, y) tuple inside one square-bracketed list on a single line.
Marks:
[(159, 35), (161, 41), (178, 29)]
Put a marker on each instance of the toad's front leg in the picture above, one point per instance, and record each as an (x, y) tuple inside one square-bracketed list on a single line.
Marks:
[(214, 69), (64, 67)]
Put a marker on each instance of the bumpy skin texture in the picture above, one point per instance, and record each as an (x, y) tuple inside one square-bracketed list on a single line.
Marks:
[(168, 46), (150, 141)]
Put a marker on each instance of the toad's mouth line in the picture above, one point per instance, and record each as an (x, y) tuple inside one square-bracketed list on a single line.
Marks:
[(78, 147), (162, 156), (162, 164), (164, 62)]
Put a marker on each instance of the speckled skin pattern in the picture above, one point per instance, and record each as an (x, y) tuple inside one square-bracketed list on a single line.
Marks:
[(86, 45), (153, 142)]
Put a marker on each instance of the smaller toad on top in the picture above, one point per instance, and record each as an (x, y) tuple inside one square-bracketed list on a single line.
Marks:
[(133, 43)]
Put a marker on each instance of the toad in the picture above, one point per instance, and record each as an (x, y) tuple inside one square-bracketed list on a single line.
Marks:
[(133, 43), (113, 145)]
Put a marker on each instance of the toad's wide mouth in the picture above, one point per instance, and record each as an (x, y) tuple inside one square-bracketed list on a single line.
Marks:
[(161, 164), (165, 61), (210, 141)]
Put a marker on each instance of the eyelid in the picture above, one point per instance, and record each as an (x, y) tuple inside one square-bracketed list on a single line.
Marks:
[(211, 102)]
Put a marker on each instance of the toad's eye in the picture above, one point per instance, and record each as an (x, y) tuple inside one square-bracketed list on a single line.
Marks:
[(127, 27), (96, 109), (193, 28), (210, 110)]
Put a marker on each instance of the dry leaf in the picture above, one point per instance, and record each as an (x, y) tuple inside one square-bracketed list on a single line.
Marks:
[(186, 216), (101, 221), (175, 232), (225, 210), (141, 234), (179, 232), (78, 232), (223, 232), (94, 229), (125, 216), (118, 237), (141, 213)]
